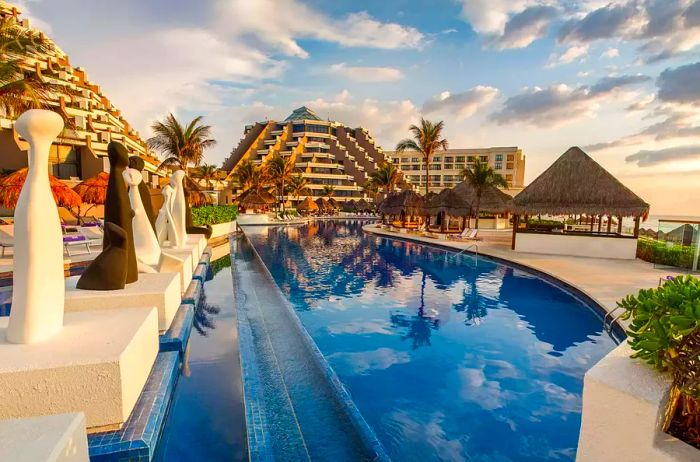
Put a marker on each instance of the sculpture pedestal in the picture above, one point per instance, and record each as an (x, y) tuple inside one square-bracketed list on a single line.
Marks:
[(97, 364), (200, 243), (58, 438), (185, 256), (159, 290)]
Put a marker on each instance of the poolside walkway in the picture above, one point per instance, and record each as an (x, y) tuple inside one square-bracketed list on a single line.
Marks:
[(604, 280)]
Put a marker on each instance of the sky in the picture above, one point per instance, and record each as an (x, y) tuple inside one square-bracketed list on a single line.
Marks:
[(619, 78)]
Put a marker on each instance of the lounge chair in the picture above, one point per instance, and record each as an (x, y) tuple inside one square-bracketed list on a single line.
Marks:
[(7, 238), (467, 235), (78, 237)]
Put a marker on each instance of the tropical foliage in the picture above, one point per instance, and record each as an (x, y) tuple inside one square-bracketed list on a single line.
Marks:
[(213, 214), (328, 190), (181, 145), (207, 173), (20, 88), (663, 253), (298, 186), (251, 176), (665, 333), (481, 176), (426, 140), (386, 177), (279, 171)]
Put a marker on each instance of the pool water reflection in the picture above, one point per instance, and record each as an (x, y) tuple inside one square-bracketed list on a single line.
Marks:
[(446, 358)]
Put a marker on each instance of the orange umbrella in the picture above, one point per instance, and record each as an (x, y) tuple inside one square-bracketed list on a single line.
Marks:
[(11, 186), (93, 190)]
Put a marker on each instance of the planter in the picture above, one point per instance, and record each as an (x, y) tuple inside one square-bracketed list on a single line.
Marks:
[(624, 404), (223, 229)]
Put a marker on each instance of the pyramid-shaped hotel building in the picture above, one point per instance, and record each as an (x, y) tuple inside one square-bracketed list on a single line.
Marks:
[(325, 152)]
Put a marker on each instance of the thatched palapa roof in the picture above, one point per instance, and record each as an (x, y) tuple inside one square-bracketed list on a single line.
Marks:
[(449, 201), (254, 199), (349, 206), (324, 205), (493, 200), (576, 184), (363, 206), (409, 202), (307, 205)]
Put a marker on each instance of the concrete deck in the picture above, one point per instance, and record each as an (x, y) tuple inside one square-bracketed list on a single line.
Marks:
[(604, 280)]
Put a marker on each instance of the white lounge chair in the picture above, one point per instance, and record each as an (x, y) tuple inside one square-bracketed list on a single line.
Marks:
[(7, 238)]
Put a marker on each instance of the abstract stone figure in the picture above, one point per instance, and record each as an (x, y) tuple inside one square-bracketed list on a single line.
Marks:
[(117, 205), (137, 163), (109, 270), (38, 287), (178, 208), (145, 242), (189, 225), (165, 225)]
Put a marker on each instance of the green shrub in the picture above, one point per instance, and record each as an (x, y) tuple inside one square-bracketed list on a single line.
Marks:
[(665, 332), (213, 214), (659, 252)]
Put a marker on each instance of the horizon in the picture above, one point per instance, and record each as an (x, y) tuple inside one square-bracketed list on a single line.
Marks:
[(619, 79)]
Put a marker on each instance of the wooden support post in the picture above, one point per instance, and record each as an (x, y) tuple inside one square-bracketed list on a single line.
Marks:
[(636, 227), (516, 219), (609, 223), (600, 221), (619, 224)]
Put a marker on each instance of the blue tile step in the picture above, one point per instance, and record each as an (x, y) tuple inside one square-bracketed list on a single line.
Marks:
[(176, 338)]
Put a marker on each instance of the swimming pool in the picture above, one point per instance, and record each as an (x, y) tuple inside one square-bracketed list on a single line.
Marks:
[(446, 357)]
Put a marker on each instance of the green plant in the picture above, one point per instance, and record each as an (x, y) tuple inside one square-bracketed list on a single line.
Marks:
[(665, 332), (181, 144), (482, 176), (427, 139), (663, 253), (213, 214)]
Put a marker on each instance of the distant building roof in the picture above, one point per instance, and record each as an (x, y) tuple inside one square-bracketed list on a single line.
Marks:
[(302, 113)]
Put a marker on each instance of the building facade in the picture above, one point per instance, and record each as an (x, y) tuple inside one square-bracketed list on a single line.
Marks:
[(326, 153), (93, 122), (447, 165)]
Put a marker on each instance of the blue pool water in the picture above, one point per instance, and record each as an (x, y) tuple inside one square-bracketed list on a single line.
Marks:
[(206, 419), (447, 358)]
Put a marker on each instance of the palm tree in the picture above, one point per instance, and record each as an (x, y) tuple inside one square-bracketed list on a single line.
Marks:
[(298, 185), (20, 87), (250, 176), (328, 190), (427, 139), (208, 172), (371, 189), (181, 145), (387, 176), (481, 176), (280, 171)]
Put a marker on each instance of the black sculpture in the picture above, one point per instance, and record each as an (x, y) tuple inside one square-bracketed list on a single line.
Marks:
[(117, 206), (189, 225), (137, 163), (108, 270)]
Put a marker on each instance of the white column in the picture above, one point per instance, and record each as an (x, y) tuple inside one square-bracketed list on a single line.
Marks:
[(178, 211), (38, 285)]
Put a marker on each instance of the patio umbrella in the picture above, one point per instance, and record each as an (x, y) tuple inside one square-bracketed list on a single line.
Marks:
[(11, 186), (307, 205), (93, 190)]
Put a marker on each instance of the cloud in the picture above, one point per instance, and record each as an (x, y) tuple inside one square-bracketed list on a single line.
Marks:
[(463, 104), (559, 104), (574, 53), (680, 85), (611, 53), (527, 26), (649, 158), (509, 23), (663, 28), (367, 74), (387, 121), (281, 23)]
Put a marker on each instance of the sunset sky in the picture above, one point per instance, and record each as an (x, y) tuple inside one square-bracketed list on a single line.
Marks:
[(620, 78)]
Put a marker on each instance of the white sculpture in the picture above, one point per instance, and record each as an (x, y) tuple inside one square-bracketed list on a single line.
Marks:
[(38, 287), (145, 241), (165, 224), (179, 206)]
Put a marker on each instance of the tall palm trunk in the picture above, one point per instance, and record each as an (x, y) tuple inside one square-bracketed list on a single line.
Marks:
[(478, 208), (427, 174)]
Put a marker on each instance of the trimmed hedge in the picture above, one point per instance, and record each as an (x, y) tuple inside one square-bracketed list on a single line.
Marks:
[(660, 253), (213, 214)]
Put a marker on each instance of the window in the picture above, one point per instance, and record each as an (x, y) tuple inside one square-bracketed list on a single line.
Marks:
[(435, 167), (316, 128), (434, 178), (509, 179), (499, 157), (395, 160), (484, 158), (459, 159), (415, 159), (511, 157), (437, 159), (296, 128), (499, 165), (459, 166), (509, 165), (448, 159), (470, 159), (64, 162), (448, 166)]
